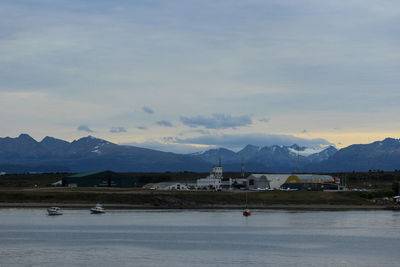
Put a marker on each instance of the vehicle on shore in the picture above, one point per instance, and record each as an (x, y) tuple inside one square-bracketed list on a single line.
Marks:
[(98, 209), (54, 211)]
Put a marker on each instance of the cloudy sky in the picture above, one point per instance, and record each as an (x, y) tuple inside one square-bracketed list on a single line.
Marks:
[(187, 75)]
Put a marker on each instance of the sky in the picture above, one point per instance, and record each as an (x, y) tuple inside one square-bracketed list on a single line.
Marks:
[(185, 75)]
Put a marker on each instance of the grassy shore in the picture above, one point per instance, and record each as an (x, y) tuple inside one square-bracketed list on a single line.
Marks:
[(134, 198)]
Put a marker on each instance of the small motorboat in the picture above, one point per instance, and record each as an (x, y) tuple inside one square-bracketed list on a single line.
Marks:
[(54, 211), (97, 209), (246, 212)]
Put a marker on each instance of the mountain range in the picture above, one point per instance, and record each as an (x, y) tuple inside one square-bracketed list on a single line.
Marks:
[(25, 154)]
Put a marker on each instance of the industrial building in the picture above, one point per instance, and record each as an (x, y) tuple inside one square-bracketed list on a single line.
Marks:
[(289, 181), (99, 179), (308, 182)]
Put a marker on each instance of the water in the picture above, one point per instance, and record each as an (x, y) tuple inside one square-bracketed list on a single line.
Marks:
[(28, 237)]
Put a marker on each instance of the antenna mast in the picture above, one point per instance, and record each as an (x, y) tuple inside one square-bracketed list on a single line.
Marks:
[(242, 167)]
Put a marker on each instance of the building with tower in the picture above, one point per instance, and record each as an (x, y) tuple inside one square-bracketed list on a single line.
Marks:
[(213, 181)]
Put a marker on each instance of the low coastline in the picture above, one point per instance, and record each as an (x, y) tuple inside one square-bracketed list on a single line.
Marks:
[(117, 199)]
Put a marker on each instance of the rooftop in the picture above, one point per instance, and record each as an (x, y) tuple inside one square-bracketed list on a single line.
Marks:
[(83, 174)]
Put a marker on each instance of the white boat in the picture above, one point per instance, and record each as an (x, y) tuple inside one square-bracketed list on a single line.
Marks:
[(97, 209), (54, 211)]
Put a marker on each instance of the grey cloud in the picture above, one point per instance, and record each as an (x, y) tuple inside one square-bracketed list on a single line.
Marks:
[(264, 120), (141, 127), (147, 110), (238, 141), (118, 130), (165, 123), (217, 121), (84, 128), (241, 43)]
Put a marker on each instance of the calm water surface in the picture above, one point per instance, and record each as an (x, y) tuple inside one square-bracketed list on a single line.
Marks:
[(28, 237)]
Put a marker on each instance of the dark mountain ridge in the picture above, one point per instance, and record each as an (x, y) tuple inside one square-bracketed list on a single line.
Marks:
[(379, 155), (90, 153), (23, 154)]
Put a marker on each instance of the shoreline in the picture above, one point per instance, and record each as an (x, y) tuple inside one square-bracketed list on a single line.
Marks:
[(288, 207)]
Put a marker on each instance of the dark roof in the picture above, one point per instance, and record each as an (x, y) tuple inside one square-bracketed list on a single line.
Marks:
[(84, 174)]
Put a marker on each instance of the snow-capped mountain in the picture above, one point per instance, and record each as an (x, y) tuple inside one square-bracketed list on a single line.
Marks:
[(23, 154), (274, 158)]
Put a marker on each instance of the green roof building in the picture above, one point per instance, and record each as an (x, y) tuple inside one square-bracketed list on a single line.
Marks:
[(99, 179)]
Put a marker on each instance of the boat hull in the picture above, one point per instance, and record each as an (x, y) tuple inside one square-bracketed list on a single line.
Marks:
[(97, 211), (246, 213), (54, 211)]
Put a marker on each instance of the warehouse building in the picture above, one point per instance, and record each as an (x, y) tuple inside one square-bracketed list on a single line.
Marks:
[(266, 181), (308, 182), (289, 181), (99, 179)]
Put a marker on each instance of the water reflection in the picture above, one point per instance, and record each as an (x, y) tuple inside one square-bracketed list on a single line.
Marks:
[(183, 238)]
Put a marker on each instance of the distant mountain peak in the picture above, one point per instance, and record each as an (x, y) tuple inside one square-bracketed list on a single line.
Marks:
[(48, 140), (389, 140), (297, 147), (249, 148), (91, 139), (26, 137)]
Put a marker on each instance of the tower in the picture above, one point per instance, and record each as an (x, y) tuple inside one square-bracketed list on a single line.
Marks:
[(217, 170)]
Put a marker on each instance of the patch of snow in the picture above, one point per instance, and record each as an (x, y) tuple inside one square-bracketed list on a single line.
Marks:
[(307, 151), (198, 153), (96, 151)]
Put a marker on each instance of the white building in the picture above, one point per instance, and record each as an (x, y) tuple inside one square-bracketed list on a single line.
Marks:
[(213, 181), (166, 186), (266, 181)]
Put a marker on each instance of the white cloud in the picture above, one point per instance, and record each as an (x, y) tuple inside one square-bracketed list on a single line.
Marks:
[(230, 141), (238, 141)]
